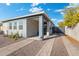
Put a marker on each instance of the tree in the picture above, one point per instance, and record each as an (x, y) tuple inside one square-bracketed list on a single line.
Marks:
[(71, 17), (61, 24)]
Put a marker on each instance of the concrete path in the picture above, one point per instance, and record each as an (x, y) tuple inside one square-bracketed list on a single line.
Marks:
[(59, 48), (13, 47), (46, 49)]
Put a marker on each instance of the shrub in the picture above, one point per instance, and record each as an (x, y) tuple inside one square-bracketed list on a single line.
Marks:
[(14, 36)]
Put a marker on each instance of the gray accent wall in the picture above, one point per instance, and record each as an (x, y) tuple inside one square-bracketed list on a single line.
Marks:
[(32, 27)]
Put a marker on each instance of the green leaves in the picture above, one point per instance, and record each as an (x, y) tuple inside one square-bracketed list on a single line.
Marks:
[(71, 17), (61, 24)]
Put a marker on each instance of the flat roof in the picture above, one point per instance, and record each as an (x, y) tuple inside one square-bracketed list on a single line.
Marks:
[(26, 16)]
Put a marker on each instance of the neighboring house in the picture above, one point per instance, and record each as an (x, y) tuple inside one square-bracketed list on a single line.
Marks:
[(37, 24)]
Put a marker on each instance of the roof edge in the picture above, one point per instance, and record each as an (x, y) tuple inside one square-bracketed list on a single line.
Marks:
[(25, 16)]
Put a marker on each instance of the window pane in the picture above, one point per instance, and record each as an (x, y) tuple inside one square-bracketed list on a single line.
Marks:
[(21, 25), (15, 25), (10, 25)]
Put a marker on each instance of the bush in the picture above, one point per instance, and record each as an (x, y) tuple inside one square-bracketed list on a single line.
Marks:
[(14, 36)]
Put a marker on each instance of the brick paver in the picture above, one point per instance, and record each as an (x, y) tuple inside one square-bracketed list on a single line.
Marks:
[(46, 49), (30, 49)]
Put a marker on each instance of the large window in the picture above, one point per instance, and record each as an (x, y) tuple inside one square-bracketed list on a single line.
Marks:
[(15, 25), (10, 25), (20, 25)]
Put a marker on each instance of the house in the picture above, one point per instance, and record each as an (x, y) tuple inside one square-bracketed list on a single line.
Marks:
[(37, 24)]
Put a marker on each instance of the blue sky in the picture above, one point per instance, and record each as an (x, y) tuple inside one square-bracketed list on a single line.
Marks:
[(19, 9)]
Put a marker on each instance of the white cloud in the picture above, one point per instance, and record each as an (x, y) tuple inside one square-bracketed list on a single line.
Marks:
[(69, 6), (21, 9), (59, 10), (56, 20), (62, 13), (8, 4), (48, 9), (53, 19), (60, 20), (72, 5), (34, 4), (35, 9)]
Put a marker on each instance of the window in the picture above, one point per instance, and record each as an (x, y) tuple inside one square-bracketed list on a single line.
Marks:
[(10, 25), (21, 25), (15, 25)]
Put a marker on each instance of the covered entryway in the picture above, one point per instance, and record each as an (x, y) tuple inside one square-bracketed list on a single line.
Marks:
[(32, 27), (37, 26)]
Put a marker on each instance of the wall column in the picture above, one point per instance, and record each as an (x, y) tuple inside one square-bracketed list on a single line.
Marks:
[(41, 24), (25, 28), (48, 29)]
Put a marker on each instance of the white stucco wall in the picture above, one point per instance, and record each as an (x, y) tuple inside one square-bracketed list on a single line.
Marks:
[(30, 27), (5, 28), (9, 31), (73, 32)]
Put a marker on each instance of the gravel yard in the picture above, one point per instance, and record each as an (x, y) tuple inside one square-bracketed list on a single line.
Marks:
[(4, 41)]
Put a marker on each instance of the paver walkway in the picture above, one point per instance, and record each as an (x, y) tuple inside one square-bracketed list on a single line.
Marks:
[(30, 49), (54, 46), (46, 49), (59, 48)]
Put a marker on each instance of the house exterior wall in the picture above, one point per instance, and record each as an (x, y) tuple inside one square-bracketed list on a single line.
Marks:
[(5, 28), (73, 32), (10, 31), (32, 27)]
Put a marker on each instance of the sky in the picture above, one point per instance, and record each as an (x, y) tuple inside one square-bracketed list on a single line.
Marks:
[(53, 10)]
